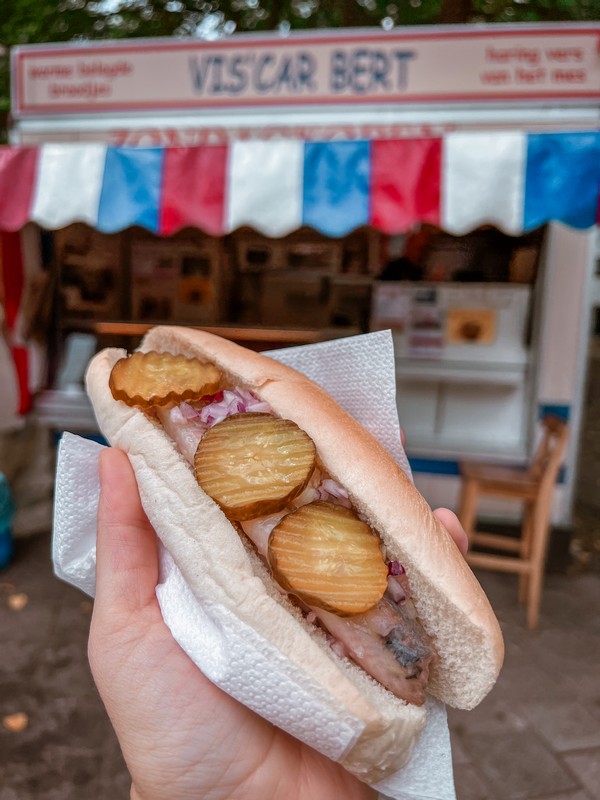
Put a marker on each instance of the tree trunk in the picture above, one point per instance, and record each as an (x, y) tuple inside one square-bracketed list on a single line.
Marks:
[(353, 15), (276, 13), (455, 11)]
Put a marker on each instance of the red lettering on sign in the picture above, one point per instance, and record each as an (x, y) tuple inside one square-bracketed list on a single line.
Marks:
[(53, 71), (495, 77), (565, 54), (530, 75), (513, 55), (568, 75)]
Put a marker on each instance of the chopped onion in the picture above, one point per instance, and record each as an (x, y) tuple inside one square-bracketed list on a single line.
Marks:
[(309, 495), (252, 403), (396, 590), (334, 489), (258, 530), (331, 490), (188, 412), (222, 405), (395, 568)]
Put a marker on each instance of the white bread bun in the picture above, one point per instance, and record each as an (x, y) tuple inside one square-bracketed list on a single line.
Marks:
[(451, 605)]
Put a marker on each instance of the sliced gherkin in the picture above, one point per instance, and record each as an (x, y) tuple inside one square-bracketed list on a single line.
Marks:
[(254, 464), (326, 556), (145, 380)]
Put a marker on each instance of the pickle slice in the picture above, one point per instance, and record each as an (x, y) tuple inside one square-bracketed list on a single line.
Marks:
[(152, 379), (254, 464), (325, 555)]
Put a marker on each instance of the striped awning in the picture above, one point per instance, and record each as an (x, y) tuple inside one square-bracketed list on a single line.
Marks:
[(510, 179)]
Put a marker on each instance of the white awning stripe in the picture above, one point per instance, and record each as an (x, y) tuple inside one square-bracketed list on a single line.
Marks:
[(265, 186), (483, 180), (69, 184)]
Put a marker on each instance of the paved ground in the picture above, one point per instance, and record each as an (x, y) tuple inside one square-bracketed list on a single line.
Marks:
[(536, 736), (585, 546), (68, 750)]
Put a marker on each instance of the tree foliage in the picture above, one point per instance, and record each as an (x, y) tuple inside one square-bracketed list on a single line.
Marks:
[(60, 20)]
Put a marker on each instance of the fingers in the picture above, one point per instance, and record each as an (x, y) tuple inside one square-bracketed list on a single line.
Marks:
[(126, 551), (448, 518), (452, 524)]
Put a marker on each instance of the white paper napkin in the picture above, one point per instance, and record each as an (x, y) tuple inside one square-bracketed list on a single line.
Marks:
[(359, 372)]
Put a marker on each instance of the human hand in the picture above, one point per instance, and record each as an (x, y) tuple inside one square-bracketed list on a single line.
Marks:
[(181, 736), (452, 524), (448, 518)]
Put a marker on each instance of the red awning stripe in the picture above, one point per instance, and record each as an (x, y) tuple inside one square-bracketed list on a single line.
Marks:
[(194, 181), (405, 183), (21, 360), (12, 275), (18, 174), (13, 280)]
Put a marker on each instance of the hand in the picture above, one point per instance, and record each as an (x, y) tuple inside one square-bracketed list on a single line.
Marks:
[(181, 736), (452, 524), (448, 518)]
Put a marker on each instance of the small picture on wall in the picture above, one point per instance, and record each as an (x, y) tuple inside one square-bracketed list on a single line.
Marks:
[(470, 326)]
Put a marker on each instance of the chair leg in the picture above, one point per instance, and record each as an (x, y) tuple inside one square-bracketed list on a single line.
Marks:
[(540, 528), (523, 588), (525, 550), (535, 596), (468, 506)]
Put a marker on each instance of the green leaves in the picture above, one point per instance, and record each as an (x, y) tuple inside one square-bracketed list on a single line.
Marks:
[(28, 21), (535, 10)]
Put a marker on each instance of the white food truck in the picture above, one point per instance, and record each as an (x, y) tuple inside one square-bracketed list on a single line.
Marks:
[(441, 182)]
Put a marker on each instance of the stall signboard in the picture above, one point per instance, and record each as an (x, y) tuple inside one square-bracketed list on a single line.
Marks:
[(418, 65)]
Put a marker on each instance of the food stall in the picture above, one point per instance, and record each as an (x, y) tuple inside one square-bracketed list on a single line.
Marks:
[(269, 186)]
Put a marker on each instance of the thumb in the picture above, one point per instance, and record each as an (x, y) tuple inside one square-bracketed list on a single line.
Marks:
[(126, 550), (454, 527)]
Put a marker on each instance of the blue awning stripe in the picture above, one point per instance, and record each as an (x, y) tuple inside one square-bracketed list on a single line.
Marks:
[(131, 189), (562, 179), (336, 186)]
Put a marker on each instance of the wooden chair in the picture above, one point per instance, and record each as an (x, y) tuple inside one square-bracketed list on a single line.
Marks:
[(534, 486)]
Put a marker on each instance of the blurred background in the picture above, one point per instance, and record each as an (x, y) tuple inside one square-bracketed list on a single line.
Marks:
[(285, 173)]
